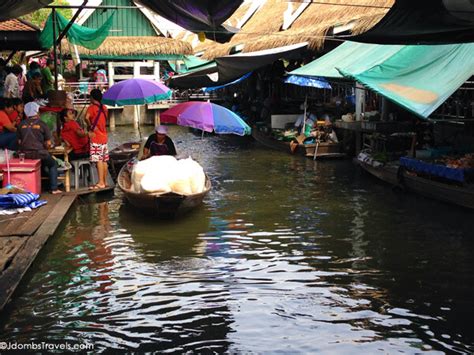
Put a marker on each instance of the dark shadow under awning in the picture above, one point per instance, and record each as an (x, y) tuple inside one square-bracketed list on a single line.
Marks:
[(232, 67), (423, 22), (198, 15), (15, 8), (19, 34)]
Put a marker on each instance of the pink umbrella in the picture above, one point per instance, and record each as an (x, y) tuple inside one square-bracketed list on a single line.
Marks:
[(206, 116)]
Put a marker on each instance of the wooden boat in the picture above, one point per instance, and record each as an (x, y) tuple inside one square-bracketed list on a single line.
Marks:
[(326, 150), (168, 205), (396, 176), (122, 154)]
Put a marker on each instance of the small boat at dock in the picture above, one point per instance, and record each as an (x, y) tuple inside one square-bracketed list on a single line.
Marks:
[(398, 176), (165, 205), (325, 150), (122, 154)]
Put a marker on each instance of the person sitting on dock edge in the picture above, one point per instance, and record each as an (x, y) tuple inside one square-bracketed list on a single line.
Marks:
[(159, 143)]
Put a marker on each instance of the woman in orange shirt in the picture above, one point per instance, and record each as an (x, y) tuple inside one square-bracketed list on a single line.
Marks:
[(96, 118), (8, 138)]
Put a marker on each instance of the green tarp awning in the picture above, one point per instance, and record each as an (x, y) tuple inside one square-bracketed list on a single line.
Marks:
[(191, 64), (351, 56), (89, 38), (419, 78)]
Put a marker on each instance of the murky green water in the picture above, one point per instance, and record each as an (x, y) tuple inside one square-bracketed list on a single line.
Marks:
[(285, 256)]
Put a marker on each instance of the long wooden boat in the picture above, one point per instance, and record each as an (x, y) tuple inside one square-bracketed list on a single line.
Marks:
[(167, 205), (326, 150), (122, 154), (450, 193)]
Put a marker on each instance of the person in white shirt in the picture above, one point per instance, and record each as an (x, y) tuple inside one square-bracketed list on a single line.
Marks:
[(12, 85)]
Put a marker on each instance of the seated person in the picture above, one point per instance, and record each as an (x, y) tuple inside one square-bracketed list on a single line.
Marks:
[(34, 139), (159, 143), (18, 114), (74, 135), (33, 90), (7, 127), (308, 124)]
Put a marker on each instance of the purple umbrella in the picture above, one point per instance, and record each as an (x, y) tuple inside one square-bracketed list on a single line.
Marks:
[(136, 91)]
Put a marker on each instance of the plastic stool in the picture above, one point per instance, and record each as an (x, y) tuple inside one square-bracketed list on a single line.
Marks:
[(81, 168)]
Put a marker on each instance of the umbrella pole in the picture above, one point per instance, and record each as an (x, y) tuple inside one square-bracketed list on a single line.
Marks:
[(304, 115), (136, 122), (202, 135)]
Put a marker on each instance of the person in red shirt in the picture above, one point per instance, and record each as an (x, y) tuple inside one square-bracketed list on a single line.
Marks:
[(8, 138), (74, 135), (19, 114), (96, 117)]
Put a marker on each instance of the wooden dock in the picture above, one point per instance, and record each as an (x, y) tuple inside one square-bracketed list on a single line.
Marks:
[(23, 235)]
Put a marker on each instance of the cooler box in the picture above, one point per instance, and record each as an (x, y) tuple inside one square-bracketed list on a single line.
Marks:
[(26, 175)]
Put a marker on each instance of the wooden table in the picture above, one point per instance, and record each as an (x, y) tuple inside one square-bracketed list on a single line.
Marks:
[(63, 152)]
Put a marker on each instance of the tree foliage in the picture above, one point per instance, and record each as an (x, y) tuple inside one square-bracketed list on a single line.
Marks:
[(39, 17)]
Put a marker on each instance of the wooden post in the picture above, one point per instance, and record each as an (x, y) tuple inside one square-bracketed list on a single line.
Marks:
[(360, 101), (135, 116), (156, 70), (111, 71), (53, 12), (157, 117), (112, 114)]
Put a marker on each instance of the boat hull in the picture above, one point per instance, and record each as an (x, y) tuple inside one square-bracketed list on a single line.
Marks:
[(452, 194), (169, 205)]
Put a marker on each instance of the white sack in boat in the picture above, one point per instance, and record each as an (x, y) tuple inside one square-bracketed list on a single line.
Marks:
[(161, 174), (197, 179), (155, 166)]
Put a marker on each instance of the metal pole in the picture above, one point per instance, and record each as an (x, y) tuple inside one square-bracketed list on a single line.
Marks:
[(10, 56), (71, 22), (53, 13)]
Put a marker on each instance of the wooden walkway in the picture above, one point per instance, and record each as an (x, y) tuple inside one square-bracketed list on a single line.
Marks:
[(23, 235)]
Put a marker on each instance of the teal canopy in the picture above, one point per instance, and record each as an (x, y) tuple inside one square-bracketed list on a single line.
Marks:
[(82, 36), (191, 64), (419, 78), (350, 56)]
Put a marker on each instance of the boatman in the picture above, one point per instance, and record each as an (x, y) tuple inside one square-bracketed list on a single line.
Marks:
[(159, 143)]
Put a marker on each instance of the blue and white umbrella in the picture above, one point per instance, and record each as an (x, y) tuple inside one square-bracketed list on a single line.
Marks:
[(309, 81)]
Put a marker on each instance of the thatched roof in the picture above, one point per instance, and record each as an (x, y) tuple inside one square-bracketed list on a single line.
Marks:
[(133, 46), (266, 20), (263, 29), (315, 22)]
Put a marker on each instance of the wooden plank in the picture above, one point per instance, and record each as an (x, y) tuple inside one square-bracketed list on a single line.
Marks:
[(85, 191), (23, 259), (11, 223), (8, 249), (26, 224)]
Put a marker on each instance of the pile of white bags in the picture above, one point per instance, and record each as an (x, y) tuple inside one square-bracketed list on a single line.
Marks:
[(161, 174)]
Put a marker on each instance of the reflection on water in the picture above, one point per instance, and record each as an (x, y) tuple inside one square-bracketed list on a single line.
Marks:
[(286, 255)]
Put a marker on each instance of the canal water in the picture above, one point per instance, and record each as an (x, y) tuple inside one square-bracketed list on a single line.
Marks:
[(286, 255)]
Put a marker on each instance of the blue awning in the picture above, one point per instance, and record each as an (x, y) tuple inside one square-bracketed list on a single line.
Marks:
[(212, 88)]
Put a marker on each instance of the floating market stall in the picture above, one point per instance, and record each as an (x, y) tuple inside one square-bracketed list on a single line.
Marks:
[(437, 171)]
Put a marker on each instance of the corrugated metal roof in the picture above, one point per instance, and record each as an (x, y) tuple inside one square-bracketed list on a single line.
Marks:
[(126, 22)]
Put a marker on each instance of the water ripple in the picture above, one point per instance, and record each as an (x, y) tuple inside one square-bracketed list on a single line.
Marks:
[(283, 257)]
